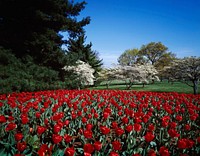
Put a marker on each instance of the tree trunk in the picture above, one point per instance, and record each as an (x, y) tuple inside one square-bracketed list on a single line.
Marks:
[(195, 87), (161, 79), (130, 85), (107, 85)]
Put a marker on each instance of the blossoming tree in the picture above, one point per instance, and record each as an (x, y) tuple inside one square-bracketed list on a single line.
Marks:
[(131, 74), (186, 70), (84, 71)]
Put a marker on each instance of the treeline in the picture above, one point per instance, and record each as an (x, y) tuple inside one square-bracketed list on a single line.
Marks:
[(167, 65), (32, 56)]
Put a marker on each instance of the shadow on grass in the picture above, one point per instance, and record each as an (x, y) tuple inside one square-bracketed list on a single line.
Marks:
[(156, 87)]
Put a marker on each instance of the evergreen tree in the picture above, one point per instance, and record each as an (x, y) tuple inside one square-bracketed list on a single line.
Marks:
[(84, 52), (32, 27)]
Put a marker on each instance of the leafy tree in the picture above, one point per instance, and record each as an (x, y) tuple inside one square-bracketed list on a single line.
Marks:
[(24, 75), (186, 70), (155, 53), (130, 57), (165, 61), (83, 52), (32, 27)]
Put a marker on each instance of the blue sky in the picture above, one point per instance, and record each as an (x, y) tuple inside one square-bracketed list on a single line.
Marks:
[(118, 25)]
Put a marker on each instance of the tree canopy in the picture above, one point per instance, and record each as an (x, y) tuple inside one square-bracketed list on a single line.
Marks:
[(154, 52), (32, 27), (34, 30), (130, 57), (83, 52)]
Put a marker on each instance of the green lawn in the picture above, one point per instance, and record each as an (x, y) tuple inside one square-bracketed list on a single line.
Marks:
[(156, 87)]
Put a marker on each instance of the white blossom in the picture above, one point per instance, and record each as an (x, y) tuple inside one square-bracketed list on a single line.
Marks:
[(84, 70), (131, 74)]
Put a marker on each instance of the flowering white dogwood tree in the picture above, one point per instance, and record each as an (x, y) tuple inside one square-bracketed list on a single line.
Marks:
[(131, 74), (186, 70), (84, 71)]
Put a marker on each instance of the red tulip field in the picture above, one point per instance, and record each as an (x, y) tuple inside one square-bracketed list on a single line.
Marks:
[(99, 123)]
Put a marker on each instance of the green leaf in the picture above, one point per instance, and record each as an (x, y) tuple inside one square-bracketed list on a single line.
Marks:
[(153, 144), (139, 150), (80, 150), (58, 152), (2, 152)]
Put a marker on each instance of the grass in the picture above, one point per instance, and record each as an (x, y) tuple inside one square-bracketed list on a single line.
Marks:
[(156, 87)]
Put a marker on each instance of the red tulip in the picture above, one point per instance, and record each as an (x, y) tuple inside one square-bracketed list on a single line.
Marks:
[(67, 138), (41, 129), (44, 150), (119, 131), (185, 143), (66, 122), (89, 126), (21, 146), (112, 153), (116, 145), (56, 138), (187, 127), (97, 145), (164, 123), (37, 114), (2, 119), (105, 130), (151, 127), (57, 128), (125, 120), (88, 148), (96, 115), (182, 143), (11, 126), (151, 152), (149, 137), (129, 128), (173, 133), (114, 124), (18, 136), (69, 151), (106, 115), (87, 154), (84, 119), (24, 119), (164, 151), (87, 134), (137, 127), (173, 125), (179, 118)]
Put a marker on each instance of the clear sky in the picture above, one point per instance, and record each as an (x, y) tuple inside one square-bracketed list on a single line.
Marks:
[(118, 25)]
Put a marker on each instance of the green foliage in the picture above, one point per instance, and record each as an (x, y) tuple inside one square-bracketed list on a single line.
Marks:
[(83, 52), (32, 31), (18, 76), (130, 57), (154, 52), (33, 28)]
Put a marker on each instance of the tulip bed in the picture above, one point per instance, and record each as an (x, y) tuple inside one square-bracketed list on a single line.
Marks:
[(84, 122)]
